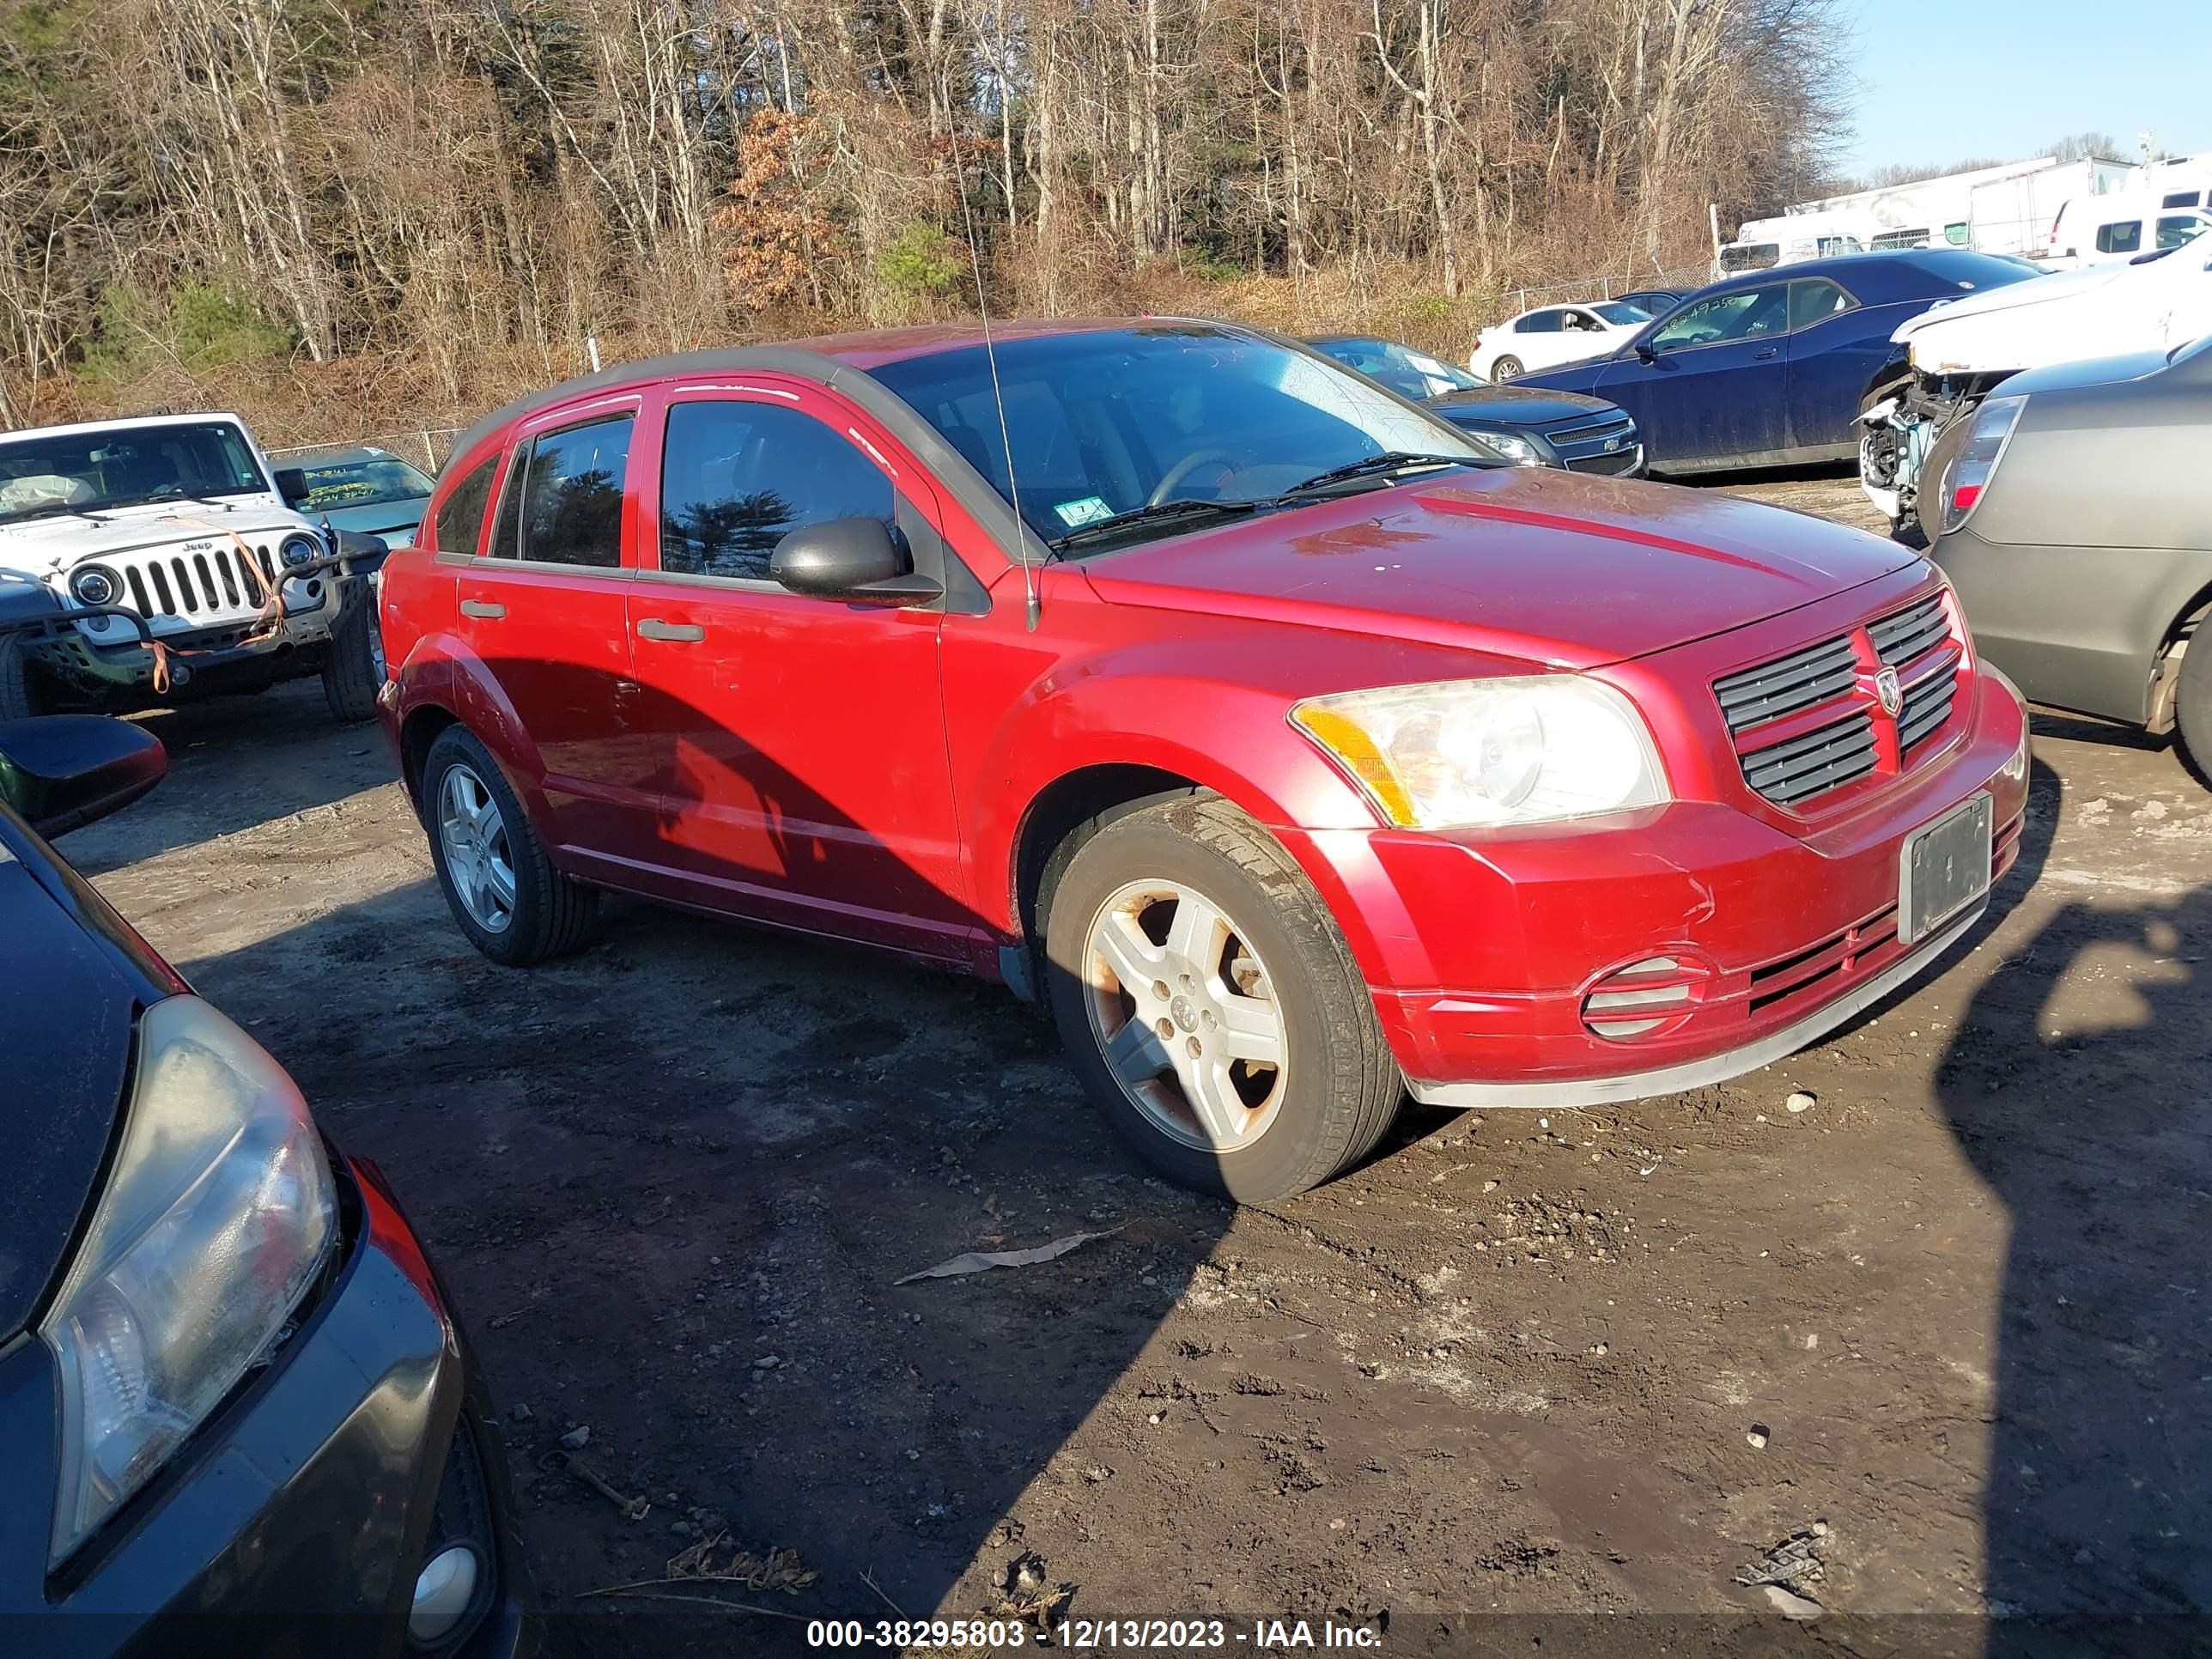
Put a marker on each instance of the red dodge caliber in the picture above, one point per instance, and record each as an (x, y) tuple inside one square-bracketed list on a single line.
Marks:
[(1296, 752)]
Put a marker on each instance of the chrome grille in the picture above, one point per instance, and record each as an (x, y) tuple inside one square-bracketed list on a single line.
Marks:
[(1787, 684), (1927, 704), (1898, 638), (1593, 440), (1821, 759)]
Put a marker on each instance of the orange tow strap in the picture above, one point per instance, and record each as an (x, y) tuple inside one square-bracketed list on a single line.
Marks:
[(270, 618)]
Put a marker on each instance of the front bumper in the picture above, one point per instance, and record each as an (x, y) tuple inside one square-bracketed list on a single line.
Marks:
[(295, 1521), (1500, 940)]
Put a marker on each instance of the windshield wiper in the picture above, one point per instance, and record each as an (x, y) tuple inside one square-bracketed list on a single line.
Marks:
[(1390, 460), (1157, 513)]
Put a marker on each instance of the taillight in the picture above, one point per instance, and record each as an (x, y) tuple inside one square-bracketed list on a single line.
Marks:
[(1977, 463)]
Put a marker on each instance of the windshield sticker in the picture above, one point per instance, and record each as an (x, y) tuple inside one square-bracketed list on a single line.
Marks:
[(1089, 510)]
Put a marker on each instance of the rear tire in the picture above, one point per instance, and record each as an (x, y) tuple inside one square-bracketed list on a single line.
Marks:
[(1505, 368), (2192, 706), (353, 671), (500, 886), (19, 692), (1258, 967)]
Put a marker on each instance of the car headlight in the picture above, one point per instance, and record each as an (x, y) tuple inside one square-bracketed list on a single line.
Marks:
[(215, 1219), (1516, 448), (1464, 752), (95, 584), (298, 550)]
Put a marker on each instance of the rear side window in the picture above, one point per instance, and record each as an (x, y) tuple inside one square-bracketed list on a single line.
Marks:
[(736, 478), (572, 495), (1541, 322), (461, 517), (1814, 301), (2180, 198), (2125, 237)]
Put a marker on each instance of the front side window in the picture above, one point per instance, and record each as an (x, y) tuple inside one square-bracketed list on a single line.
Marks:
[(736, 478), (1734, 316), (119, 466), (1620, 312), (572, 495), (1106, 422), (461, 517), (2125, 237)]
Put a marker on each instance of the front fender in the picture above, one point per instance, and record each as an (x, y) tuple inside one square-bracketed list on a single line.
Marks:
[(442, 672), (1228, 735)]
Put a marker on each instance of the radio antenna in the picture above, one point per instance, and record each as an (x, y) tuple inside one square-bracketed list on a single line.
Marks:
[(991, 356)]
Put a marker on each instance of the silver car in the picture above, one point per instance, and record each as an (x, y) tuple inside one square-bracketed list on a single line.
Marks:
[(2074, 519)]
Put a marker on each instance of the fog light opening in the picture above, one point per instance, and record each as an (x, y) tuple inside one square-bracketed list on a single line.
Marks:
[(444, 1590)]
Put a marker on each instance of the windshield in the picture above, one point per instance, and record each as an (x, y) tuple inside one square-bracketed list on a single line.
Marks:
[(123, 465), (369, 481), (1616, 311), (1408, 372), (1105, 423)]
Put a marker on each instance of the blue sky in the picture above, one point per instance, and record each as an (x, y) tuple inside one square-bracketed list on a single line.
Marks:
[(1940, 80)]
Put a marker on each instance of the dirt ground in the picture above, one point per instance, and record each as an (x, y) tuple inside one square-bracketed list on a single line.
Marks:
[(1542, 1366)]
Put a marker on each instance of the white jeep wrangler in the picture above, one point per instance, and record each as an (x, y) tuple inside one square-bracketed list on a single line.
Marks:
[(160, 559)]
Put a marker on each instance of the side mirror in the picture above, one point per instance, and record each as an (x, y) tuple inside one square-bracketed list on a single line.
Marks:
[(851, 559), (1644, 354), (62, 771), (292, 485)]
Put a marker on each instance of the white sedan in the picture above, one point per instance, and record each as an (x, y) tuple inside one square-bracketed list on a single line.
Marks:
[(1551, 335)]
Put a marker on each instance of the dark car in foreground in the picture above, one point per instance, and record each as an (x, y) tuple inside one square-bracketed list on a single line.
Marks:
[(1772, 368), (2075, 521), (1529, 428), (234, 1411)]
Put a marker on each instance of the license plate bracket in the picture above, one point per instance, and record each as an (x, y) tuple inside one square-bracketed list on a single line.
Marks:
[(1943, 867)]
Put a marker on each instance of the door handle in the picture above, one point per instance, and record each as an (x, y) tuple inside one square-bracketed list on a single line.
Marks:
[(1761, 356), (652, 628), (484, 609)]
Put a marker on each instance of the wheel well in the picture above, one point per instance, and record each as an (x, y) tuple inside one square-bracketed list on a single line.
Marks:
[(1070, 810), (2184, 622), (420, 730)]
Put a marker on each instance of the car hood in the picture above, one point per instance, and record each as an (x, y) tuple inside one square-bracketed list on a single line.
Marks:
[(2090, 371), (40, 545), (68, 1026), (389, 519), (1515, 404), (2052, 288), (1547, 566)]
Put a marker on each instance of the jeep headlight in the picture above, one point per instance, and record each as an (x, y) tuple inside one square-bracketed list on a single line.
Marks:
[(1468, 752), (95, 584), (299, 548), (215, 1219)]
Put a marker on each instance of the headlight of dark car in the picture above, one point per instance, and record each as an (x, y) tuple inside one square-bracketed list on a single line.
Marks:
[(214, 1220), (300, 548), (95, 584)]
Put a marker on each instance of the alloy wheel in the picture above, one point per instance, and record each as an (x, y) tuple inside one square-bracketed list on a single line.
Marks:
[(1185, 1014), (473, 835)]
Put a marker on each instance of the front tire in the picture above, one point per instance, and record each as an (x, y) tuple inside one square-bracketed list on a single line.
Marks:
[(1211, 1007), (2192, 706), (20, 691), (1506, 368), (500, 886), (353, 671)]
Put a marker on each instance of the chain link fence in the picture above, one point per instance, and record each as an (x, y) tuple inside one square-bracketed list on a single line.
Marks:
[(426, 446), (1682, 278)]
